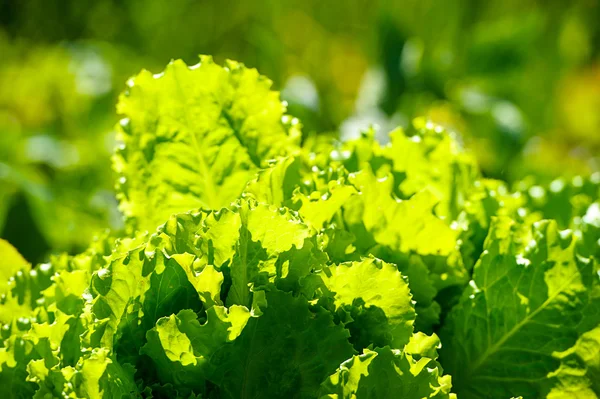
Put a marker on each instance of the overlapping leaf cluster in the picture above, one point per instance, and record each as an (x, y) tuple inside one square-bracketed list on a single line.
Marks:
[(260, 266)]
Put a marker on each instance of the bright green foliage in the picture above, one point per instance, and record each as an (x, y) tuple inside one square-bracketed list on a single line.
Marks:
[(194, 136), (375, 299), (387, 373), (254, 267), (433, 159), (522, 307), (579, 372)]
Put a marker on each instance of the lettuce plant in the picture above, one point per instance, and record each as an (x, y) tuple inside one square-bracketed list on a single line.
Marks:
[(259, 262)]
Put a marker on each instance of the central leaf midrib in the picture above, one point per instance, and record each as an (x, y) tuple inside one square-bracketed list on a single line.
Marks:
[(212, 199), (236, 132), (243, 249)]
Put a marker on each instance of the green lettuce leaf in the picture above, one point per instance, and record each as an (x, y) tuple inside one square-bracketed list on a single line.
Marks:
[(194, 136), (579, 373), (95, 376), (404, 225), (377, 301), (432, 158), (183, 350), (285, 352), (522, 307), (391, 373)]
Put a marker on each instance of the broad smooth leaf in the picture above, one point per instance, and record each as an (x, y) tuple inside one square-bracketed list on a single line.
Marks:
[(521, 309)]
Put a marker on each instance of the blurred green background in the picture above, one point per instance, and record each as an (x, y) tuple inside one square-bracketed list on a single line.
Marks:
[(519, 79)]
